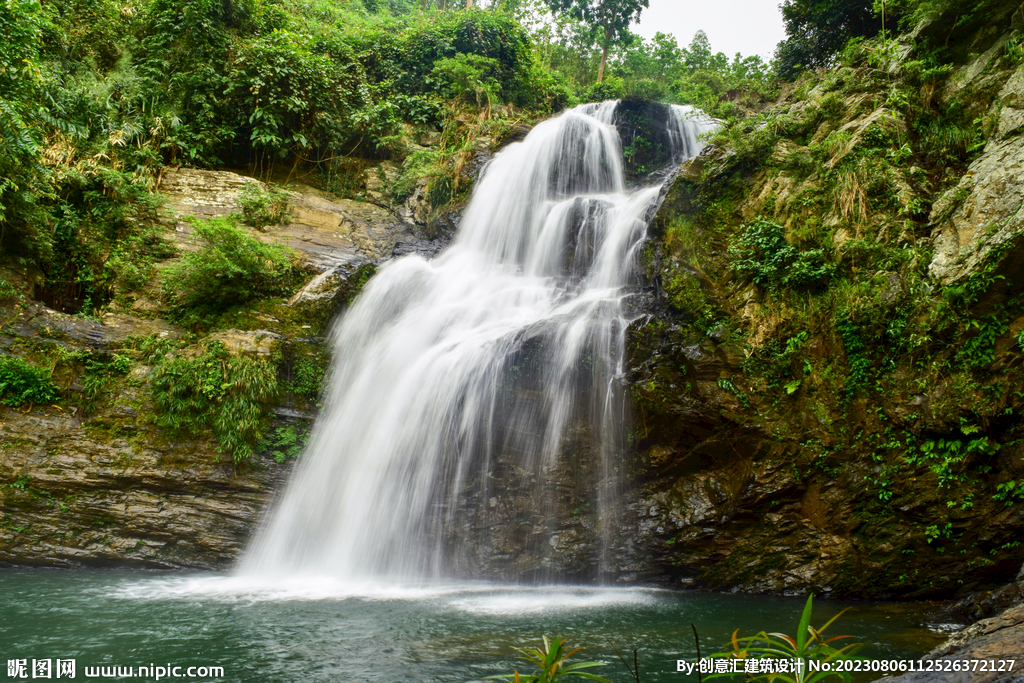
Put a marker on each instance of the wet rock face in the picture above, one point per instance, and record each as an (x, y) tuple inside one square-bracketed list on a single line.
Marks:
[(110, 490), (643, 128), (726, 499)]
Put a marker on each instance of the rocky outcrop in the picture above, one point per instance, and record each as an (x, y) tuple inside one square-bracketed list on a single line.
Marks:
[(97, 482), (980, 221), (329, 233), (996, 642), (109, 489)]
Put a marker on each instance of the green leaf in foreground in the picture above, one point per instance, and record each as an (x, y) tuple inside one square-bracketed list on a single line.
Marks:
[(551, 663)]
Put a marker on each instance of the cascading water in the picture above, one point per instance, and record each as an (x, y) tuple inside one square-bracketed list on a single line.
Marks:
[(499, 361)]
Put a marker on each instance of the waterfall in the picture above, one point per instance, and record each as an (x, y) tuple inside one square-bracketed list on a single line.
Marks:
[(497, 361)]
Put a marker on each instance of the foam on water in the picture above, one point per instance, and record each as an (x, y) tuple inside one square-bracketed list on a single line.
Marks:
[(471, 597)]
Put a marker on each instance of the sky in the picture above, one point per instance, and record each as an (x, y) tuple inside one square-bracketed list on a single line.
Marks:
[(753, 27)]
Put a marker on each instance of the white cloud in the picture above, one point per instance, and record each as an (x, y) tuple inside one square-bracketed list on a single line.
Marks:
[(753, 27)]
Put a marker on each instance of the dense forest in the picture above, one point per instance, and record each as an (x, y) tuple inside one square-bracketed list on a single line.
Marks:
[(98, 97)]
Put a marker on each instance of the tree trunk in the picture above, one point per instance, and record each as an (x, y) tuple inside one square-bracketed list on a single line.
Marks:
[(469, 4), (604, 52)]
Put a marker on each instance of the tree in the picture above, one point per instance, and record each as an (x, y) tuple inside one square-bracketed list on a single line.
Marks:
[(817, 30), (610, 18)]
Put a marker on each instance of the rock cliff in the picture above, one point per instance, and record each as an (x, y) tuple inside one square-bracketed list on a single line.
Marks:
[(826, 364)]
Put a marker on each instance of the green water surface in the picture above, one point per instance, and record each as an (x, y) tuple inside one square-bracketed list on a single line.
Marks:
[(319, 630)]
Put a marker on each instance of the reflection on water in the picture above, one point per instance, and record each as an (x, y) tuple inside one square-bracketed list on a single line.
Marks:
[(325, 630)]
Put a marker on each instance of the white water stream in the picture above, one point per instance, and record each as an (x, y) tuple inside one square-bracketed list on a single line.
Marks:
[(495, 349)]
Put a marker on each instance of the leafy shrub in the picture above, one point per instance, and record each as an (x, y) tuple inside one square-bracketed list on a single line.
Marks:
[(261, 208), (648, 89), (948, 458), (947, 141), (215, 391), (817, 32), (763, 254), (468, 75), (778, 362), (284, 443), (22, 176), (7, 290), (183, 51), (1013, 50), (309, 377), (550, 660), (609, 89), (231, 269), (1009, 492), (979, 349), (22, 383), (296, 94), (99, 371), (494, 35), (856, 357)]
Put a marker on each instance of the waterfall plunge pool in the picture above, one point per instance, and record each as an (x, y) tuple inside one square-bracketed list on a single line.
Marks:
[(322, 630)]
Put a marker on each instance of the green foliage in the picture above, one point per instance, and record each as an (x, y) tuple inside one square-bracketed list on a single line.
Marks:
[(948, 458), (980, 282), (407, 64), (308, 377), (262, 208), (979, 349), (7, 290), (763, 254), (99, 371), (1013, 50), (609, 21), (214, 391), (468, 75), (231, 268), (809, 644), (727, 384), (861, 369), (777, 362), (1009, 492), (22, 23), (816, 32), (22, 383), (284, 443), (685, 294), (298, 93), (934, 532), (551, 662), (609, 89), (947, 140)]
